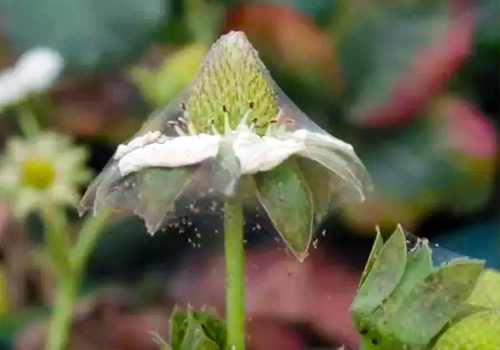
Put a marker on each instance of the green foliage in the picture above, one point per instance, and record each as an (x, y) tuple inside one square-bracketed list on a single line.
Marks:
[(379, 46), (387, 271), (196, 331), (88, 33), (286, 197), (4, 300), (404, 301), (375, 252), (478, 331), (487, 291), (158, 87)]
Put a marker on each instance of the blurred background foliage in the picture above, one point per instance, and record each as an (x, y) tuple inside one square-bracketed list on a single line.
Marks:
[(412, 84)]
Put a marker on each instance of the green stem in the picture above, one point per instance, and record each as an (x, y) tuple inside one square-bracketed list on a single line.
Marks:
[(59, 328), (27, 121), (234, 254), (69, 264)]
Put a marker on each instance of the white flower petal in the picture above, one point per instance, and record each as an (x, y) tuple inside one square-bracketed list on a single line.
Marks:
[(257, 153), (173, 153), (137, 142), (10, 89), (37, 69), (337, 156)]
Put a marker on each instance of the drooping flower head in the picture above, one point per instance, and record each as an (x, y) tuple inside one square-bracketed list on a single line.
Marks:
[(232, 132)]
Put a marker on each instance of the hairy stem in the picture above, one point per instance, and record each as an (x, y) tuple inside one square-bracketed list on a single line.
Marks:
[(234, 254)]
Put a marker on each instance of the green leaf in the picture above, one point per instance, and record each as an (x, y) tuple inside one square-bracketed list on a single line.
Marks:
[(384, 276), (377, 246), (487, 291), (285, 195), (391, 37), (4, 298), (158, 190), (479, 331), (418, 267), (434, 302), (87, 33), (197, 331), (396, 312), (160, 86), (161, 342)]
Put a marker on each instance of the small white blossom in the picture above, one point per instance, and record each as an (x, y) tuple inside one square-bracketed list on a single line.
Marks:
[(34, 72), (47, 169)]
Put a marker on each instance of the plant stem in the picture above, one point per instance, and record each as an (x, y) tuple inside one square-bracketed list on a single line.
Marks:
[(69, 263), (234, 254), (27, 122), (57, 336)]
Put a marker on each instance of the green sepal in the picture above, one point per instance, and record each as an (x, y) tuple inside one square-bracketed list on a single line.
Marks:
[(196, 331), (377, 246), (387, 270), (285, 196), (320, 184), (158, 189)]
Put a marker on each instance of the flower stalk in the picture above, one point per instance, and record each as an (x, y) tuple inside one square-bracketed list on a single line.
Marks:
[(234, 257), (27, 121), (68, 263), (59, 329)]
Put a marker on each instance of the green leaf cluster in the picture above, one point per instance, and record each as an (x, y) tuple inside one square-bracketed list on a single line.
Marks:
[(404, 301), (195, 331)]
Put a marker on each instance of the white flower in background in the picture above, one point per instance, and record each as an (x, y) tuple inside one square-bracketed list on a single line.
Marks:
[(46, 170), (34, 72)]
